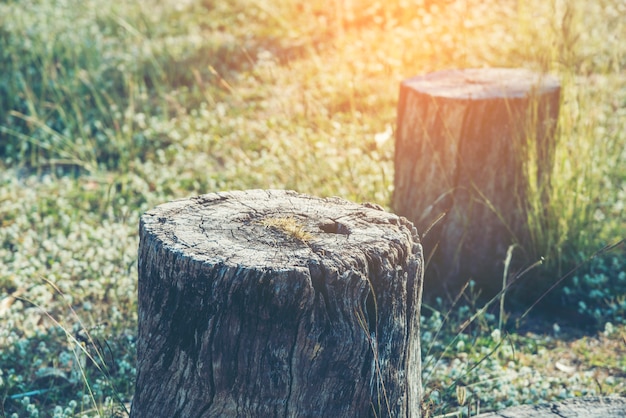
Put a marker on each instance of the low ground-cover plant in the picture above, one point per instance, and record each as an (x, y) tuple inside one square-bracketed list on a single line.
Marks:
[(598, 291), (53, 373), (472, 362), (109, 109)]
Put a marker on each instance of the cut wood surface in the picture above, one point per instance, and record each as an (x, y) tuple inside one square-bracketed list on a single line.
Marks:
[(609, 407), (466, 145), (269, 303)]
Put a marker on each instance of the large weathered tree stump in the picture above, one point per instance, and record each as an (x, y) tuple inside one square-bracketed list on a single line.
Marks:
[(470, 147), (609, 407), (276, 304)]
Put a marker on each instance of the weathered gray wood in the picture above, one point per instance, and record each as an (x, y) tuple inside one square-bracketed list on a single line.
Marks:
[(462, 150), (269, 303), (609, 407)]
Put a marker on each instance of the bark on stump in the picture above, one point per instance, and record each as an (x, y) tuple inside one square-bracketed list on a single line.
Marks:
[(276, 304), (466, 145), (572, 408)]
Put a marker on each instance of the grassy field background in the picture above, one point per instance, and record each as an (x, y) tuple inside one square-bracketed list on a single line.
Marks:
[(110, 108)]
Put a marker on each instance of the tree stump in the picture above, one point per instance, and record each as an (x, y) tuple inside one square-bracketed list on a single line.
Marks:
[(470, 145), (269, 303), (609, 407)]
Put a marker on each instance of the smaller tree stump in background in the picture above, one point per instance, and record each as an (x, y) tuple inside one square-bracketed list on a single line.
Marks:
[(276, 304), (466, 145), (609, 407)]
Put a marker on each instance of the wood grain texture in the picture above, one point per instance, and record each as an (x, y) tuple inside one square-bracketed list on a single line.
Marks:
[(240, 317), (462, 147), (609, 407)]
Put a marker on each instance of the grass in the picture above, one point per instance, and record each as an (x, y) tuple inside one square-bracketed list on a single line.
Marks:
[(288, 226), (107, 110)]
